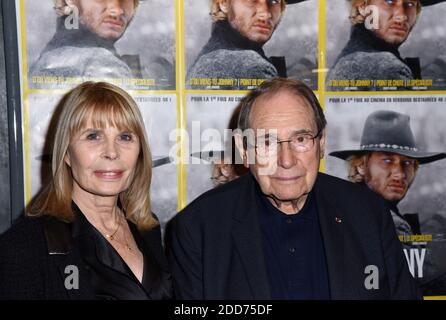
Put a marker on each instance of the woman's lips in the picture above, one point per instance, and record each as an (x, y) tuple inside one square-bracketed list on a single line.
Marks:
[(109, 174)]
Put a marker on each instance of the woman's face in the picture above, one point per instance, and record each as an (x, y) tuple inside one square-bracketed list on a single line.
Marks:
[(102, 160)]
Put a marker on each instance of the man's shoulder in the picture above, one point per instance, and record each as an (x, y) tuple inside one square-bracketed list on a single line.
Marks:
[(79, 61), (221, 198), (343, 189), (224, 63), (370, 65)]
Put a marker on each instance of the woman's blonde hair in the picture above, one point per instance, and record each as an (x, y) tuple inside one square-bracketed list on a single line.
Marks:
[(104, 105), (355, 15), (218, 15)]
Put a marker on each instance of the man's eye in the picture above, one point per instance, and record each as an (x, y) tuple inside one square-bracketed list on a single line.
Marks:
[(276, 1), (302, 138), (389, 1), (387, 161), (408, 163)]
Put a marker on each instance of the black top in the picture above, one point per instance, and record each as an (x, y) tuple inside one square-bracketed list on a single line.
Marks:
[(294, 252), (35, 254), (109, 275)]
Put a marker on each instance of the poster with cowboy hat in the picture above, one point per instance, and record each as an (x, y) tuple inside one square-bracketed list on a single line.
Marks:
[(395, 146)]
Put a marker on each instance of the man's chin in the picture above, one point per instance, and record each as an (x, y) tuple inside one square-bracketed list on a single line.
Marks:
[(394, 197), (259, 38), (110, 34)]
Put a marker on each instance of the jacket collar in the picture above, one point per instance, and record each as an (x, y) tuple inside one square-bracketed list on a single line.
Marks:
[(223, 36), (60, 235), (247, 236), (362, 39), (81, 37), (60, 246), (331, 224)]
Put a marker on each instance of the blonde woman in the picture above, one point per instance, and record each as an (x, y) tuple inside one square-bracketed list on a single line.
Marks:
[(90, 233)]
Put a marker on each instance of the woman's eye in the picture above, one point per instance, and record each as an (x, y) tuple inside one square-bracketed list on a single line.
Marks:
[(92, 136), (126, 137)]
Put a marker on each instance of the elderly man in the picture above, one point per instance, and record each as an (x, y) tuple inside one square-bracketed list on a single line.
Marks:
[(234, 51), (379, 28), (285, 231), (83, 45)]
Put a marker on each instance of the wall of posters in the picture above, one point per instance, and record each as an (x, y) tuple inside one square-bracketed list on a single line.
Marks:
[(187, 67)]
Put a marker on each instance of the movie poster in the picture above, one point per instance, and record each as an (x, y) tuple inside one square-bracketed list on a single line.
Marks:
[(158, 111), (219, 57), (382, 53), (64, 45), (60, 48), (211, 119), (424, 205)]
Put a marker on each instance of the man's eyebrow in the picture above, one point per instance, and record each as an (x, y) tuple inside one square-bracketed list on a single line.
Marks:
[(300, 131)]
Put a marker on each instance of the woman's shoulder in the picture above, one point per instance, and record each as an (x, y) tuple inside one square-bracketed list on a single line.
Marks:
[(25, 233)]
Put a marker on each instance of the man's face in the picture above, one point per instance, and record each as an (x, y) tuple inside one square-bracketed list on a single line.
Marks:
[(253, 19), (287, 177), (389, 174), (106, 18), (396, 19)]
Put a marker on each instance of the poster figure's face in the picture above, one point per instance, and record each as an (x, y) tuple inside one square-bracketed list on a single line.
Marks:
[(102, 161), (287, 173), (254, 19), (106, 18), (396, 19), (389, 174)]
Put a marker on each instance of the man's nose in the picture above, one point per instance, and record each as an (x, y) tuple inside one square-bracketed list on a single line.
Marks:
[(115, 7), (263, 9), (399, 11), (398, 171), (286, 158)]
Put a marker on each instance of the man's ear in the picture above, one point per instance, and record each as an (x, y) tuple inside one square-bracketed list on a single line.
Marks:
[(362, 166), (64, 7), (362, 8), (322, 141), (224, 5), (241, 148)]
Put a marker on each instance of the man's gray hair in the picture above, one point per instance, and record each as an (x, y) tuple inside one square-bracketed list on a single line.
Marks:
[(273, 86)]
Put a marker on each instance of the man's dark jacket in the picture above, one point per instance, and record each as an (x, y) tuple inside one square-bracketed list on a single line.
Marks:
[(216, 244)]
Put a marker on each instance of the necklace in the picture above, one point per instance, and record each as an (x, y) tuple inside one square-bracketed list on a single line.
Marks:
[(111, 236)]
